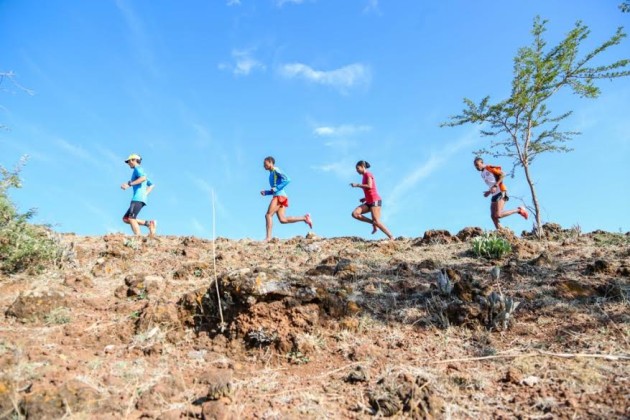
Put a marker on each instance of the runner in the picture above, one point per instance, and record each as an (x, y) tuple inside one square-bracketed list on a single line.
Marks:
[(493, 177), (278, 180), (142, 187), (371, 202)]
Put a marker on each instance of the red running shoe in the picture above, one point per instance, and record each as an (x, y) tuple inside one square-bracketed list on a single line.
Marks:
[(523, 212), (308, 220)]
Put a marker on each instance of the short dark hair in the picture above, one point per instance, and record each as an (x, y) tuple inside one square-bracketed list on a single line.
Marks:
[(270, 159), (477, 159), (363, 163)]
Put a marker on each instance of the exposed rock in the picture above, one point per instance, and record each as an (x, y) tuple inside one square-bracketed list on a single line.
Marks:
[(513, 376), (215, 410), (56, 402), (543, 260), (573, 289), (36, 305), (346, 269), (193, 269), (219, 384), (414, 397), (358, 374), (433, 237), (525, 249), (428, 264), (599, 267), (161, 314), (142, 284), (165, 391), (78, 281), (462, 313), (468, 233)]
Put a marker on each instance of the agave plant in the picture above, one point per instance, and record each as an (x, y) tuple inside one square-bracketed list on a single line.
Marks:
[(444, 284)]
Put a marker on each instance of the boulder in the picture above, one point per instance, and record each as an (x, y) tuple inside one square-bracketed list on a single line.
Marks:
[(36, 305)]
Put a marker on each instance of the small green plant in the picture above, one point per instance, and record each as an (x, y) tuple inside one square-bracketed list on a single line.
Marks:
[(23, 246), (490, 246), (296, 357)]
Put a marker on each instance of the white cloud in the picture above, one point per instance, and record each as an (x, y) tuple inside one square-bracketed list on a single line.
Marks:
[(281, 3), (139, 36), (349, 76), (343, 169), (243, 64), (402, 190), (342, 130), (74, 151), (371, 7)]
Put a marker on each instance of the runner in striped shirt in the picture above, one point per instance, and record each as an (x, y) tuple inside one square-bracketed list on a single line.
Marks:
[(493, 177)]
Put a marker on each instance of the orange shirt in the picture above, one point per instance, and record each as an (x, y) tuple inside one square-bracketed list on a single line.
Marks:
[(491, 174)]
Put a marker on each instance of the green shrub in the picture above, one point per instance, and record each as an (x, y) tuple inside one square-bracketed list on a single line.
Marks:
[(23, 246), (490, 246)]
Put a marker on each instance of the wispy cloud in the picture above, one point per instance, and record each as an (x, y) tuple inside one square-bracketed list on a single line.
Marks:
[(343, 169), (112, 158), (371, 7), (281, 3), (81, 154), (197, 226), (341, 130), (396, 199), (201, 184), (233, 2), (244, 63), (138, 35), (351, 76)]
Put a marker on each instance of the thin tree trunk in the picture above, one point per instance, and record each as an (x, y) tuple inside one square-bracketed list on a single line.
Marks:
[(539, 230)]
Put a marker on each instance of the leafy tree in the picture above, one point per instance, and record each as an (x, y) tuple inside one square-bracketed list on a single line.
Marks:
[(23, 246), (625, 6), (522, 126)]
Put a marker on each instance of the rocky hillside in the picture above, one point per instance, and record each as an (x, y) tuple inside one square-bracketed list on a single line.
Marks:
[(314, 328)]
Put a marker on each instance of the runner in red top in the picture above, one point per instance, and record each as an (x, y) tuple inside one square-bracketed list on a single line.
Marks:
[(371, 202), (493, 177)]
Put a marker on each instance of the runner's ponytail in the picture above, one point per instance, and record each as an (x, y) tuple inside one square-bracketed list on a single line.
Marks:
[(363, 163)]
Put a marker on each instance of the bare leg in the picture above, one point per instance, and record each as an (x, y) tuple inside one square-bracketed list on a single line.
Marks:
[(376, 217), (358, 214), (496, 210), (273, 208), (286, 219), (134, 226)]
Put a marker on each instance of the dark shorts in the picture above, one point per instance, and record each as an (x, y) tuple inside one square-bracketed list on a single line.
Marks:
[(378, 203), (500, 196), (134, 209)]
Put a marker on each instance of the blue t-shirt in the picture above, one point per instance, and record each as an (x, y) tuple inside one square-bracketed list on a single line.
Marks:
[(140, 190)]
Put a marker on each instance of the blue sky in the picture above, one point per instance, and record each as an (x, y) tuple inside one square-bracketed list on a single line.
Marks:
[(204, 90)]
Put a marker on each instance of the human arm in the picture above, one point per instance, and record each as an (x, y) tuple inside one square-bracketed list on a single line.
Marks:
[(136, 181), (368, 185)]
